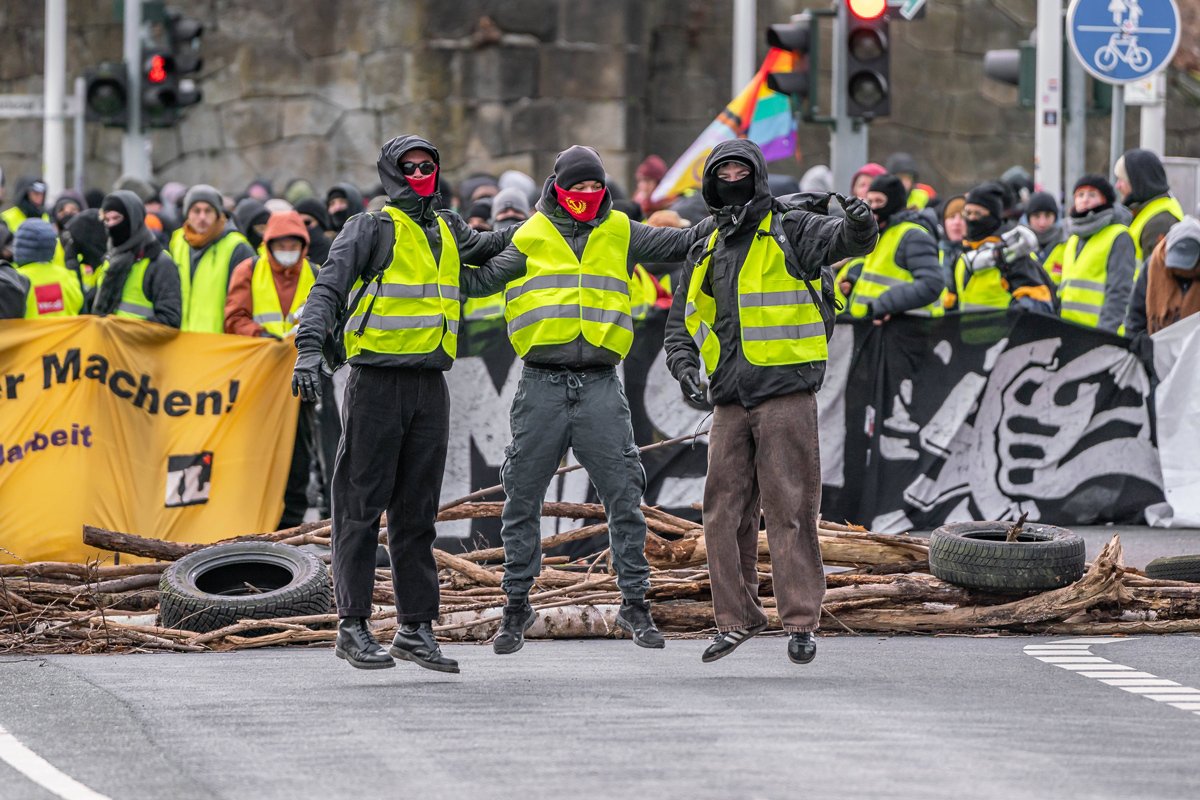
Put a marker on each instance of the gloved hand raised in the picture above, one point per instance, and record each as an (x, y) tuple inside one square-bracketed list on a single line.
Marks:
[(306, 376), (857, 211)]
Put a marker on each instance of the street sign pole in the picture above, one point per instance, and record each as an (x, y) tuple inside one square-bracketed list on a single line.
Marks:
[(1047, 140), (54, 140), (1116, 131), (135, 157), (745, 37)]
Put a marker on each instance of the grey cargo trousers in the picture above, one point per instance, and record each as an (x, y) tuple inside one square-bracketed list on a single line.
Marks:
[(585, 410)]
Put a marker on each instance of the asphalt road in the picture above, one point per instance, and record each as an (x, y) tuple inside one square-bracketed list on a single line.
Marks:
[(903, 717)]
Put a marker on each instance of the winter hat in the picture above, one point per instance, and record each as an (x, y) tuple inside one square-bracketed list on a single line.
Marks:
[(277, 205), (897, 198), (817, 179), (1100, 184), (298, 189), (577, 164), (474, 184), (988, 195), (35, 241), (134, 184), (902, 164), (1042, 201), (172, 192), (1183, 245), (315, 209), (515, 179), (652, 168), (481, 208), (953, 207), (510, 199), (203, 193)]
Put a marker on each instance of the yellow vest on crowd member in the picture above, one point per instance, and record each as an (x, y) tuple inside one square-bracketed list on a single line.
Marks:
[(1147, 213), (561, 297), (880, 272), (1084, 275), (781, 323), (481, 308), (14, 218), (983, 291), (264, 298), (919, 197), (843, 274), (1054, 262), (204, 292), (643, 292), (413, 307), (54, 290), (134, 304)]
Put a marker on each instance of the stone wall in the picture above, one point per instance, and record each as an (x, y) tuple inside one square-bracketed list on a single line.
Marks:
[(312, 88)]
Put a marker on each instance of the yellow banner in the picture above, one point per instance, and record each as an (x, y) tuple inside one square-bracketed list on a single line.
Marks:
[(136, 427)]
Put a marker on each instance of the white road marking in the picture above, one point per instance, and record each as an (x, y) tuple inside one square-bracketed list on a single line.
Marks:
[(41, 771), (1075, 655)]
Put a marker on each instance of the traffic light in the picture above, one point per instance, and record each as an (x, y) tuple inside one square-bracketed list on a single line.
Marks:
[(1015, 67), (173, 54), (106, 95), (796, 36), (868, 60)]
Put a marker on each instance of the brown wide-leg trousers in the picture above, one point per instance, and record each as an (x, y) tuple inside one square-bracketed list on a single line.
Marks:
[(765, 457)]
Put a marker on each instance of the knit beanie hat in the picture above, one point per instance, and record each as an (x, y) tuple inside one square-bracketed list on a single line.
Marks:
[(577, 164), (990, 196), (1100, 184), (35, 241), (203, 193), (1041, 201), (893, 189)]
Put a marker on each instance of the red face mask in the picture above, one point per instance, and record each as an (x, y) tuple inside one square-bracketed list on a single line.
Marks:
[(423, 185), (583, 206)]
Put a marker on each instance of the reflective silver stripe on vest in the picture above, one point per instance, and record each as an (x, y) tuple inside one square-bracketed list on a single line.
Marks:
[(793, 297), (1086, 308), (381, 323), (568, 282), (134, 308), (702, 334), (919, 312), (263, 319), (420, 291), (882, 280), (782, 332), (1076, 283), (452, 326), (543, 313)]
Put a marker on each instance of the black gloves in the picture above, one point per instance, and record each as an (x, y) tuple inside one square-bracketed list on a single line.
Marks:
[(306, 376), (693, 391), (857, 211)]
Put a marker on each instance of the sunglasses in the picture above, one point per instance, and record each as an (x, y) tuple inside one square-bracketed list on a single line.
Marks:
[(424, 167)]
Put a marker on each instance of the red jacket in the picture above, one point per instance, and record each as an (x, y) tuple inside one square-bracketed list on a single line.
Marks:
[(239, 302)]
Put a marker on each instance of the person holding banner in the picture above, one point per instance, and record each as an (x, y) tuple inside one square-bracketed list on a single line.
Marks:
[(138, 279), (754, 305), (399, 274)]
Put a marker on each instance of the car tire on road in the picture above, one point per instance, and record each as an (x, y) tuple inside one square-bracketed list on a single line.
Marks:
[(220, 585), (975, 555), (1175, 568)]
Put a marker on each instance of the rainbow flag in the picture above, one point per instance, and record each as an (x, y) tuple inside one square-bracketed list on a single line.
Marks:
[(757, 113)]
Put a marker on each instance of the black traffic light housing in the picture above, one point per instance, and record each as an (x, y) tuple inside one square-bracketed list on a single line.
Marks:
[(106, 94), (868, 64), (795, 36), (167, 64)]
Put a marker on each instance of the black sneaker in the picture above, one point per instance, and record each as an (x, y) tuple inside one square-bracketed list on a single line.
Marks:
[(511, 636), (802, 647), (356, 645), (414, 642), (725, 643), (634, 618)]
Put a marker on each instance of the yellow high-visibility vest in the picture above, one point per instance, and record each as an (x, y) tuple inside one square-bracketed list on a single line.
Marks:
[(204, 292), (133, 304), (983, 291), (1149, 212), (264, 299), (880, 272), (54, 290), (1084, 275), (643, 292)]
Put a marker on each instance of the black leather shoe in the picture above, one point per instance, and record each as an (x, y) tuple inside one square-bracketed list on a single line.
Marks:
[(414, 642), (802, 648), (634, 618), (725, 643), (356, 645), (511, 636)]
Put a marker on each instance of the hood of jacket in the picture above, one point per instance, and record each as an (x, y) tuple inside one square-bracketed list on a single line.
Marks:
[(400, 194), (247, 213), (21, 192), (139, 234), (282, 225), (87, 236), (1147, 178), (730, 219)]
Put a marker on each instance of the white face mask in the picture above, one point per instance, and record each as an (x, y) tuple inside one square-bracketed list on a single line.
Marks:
[(286, 258)]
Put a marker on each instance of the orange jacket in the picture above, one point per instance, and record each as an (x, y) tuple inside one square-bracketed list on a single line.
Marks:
[(239, 302)]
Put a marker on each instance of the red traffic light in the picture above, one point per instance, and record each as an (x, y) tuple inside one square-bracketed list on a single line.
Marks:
[(156, 69), (867, 9)]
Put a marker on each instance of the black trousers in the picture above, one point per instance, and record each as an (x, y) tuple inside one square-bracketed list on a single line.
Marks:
[(395, 427), (295, 492)]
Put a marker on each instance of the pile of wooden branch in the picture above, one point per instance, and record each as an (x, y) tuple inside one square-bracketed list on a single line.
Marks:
[(885, 587)]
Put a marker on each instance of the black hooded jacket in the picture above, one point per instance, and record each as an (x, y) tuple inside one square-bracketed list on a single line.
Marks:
[(161, 281), (1148, 181), (646, 245), (14, 292), (350, 258), (817, 240), (354, 199), (20, 197)]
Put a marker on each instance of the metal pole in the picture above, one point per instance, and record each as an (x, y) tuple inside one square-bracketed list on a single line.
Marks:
[(1047, 134), (135, 158), (847, 143), (1076, 147), (1116, 136), (745, 37), (54, 166), (80, 131), (1154, 117)]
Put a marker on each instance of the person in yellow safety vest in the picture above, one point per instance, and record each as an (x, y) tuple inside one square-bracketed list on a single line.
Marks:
[(139, 280), (750, 309), (904, 167), (569, 316), (954, 229), (29, 204), (666, 274), (266, 299), (390, 289), (845, 276), (997, 271), (1142, 185), (902, 275), (510, 208), (1042, 212), (206, 249), (250, 218), (55, 291), (1098, 261)]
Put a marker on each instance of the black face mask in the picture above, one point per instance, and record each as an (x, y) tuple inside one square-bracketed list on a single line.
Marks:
[(736, 193), (119, 234), (338, 218), (982, 228), (29, 208)]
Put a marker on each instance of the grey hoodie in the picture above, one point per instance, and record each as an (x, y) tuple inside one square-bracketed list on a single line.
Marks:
[(1122, 262)]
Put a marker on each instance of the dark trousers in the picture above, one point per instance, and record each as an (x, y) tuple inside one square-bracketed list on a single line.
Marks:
[(395, 426), (765, 458), (295, 493), (328, 435)]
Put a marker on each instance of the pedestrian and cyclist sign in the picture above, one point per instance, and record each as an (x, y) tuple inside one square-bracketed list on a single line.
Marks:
[(1122, 41)]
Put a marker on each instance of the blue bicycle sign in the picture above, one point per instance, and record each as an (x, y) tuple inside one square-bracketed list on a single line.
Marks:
[(1121, 41)]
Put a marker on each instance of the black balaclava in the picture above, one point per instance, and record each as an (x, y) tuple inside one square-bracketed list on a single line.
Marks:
[(27, 206), (1100, 184), (897, 199), (119, 233), (991, 197), (739, 192)]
